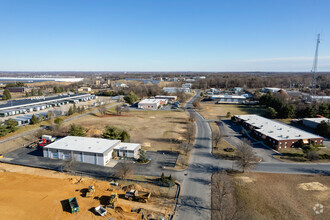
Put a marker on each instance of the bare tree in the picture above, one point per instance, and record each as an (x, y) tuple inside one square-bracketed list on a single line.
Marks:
[(192, 117), (119, 109), (217, 137), (197, 103), (102, 110), (224, 200), (190, 131), (245, 155), (186, 147), (124, 170)]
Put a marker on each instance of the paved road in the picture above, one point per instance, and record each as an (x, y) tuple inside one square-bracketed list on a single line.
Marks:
[(195, 200)]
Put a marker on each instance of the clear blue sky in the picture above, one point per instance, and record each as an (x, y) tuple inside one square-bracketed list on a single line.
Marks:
[(163, 35)]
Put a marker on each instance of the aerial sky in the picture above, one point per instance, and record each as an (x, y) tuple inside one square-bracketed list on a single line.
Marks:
[(163, 35)]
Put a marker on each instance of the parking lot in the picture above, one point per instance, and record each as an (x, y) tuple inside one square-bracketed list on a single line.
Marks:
[(233, 135), (34, 158)]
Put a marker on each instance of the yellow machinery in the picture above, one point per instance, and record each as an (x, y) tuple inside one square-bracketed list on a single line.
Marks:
[(90, 192)]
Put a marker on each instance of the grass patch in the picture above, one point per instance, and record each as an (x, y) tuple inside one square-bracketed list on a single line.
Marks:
[(214, 111), (280, 196)]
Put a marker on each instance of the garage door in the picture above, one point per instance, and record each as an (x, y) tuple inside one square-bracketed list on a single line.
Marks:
[(66, 156), (55, 155)]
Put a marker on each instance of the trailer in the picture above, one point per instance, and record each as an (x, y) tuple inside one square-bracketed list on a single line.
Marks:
[(100, 210), (73, 205)]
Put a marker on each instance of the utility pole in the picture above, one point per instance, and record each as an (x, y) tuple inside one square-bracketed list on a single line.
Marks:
[(314, 69)]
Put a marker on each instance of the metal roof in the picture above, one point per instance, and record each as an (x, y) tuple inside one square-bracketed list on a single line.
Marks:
[(83, 144), (275, 129)]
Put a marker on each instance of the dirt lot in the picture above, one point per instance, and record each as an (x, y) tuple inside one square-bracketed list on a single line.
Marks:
[(282, 196), (154, 129), (214, 111), (30, 193)]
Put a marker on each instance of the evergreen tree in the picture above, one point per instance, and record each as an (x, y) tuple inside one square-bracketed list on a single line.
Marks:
[(131, 98), (70, 112), (115, 133), (6, 95), (271, 112), (3, 130), (76, 130), (34, 120), (11, 125), (40, 93)]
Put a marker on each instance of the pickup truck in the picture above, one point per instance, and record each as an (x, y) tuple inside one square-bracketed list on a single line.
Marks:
[(137, 195)]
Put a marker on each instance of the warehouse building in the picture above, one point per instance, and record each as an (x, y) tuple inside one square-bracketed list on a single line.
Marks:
[(168, 97), (90, 150), (276, 134), (314, 122), (176, 89), (150, 104), (229, 99)]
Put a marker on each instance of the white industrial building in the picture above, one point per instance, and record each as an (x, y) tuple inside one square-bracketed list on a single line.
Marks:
[(229, 99), (151, 104), (89, 150), (313, 122), (176, 89)]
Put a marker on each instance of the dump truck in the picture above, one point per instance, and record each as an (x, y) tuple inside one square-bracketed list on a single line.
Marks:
[(90, 192), (100, 210), (112, 200), (73, 205), (134, 195)]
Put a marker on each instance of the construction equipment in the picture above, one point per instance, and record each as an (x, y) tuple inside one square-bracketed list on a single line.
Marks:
[(90, 192), (100, 210), (112, 200), (134, 195), (73, 205)]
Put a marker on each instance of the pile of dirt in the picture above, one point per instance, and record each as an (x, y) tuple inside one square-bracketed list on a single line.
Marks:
[(312, 186), (244, 179)]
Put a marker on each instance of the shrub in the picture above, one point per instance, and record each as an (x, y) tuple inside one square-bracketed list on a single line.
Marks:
[(165, 181), (312, 155)]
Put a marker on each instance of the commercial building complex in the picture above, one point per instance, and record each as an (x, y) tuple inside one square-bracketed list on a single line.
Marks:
[(90, 150), (313, 122), (276, 134)]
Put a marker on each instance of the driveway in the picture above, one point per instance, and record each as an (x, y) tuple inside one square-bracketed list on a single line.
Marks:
[(233, 136)]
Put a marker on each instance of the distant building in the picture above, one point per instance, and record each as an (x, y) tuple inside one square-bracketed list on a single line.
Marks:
[(96, 151), (168, 97), (276, 134), (273, 90), (228, 99), (314, 122), (238, 89), (120, 85), (150, 104), (19, 89), (187, 85), (85, 89), (176, 89), (324, 99)]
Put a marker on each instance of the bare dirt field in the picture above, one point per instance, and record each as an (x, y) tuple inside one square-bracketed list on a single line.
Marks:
[(214, 111), (282, 196), (155, 130), (30, 193)]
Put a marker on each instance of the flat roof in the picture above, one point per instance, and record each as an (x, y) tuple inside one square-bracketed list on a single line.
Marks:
[(83, 144), (316, 120), (149, 101), (127, 146), (166, 96), (229, 96), (275, 129)]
